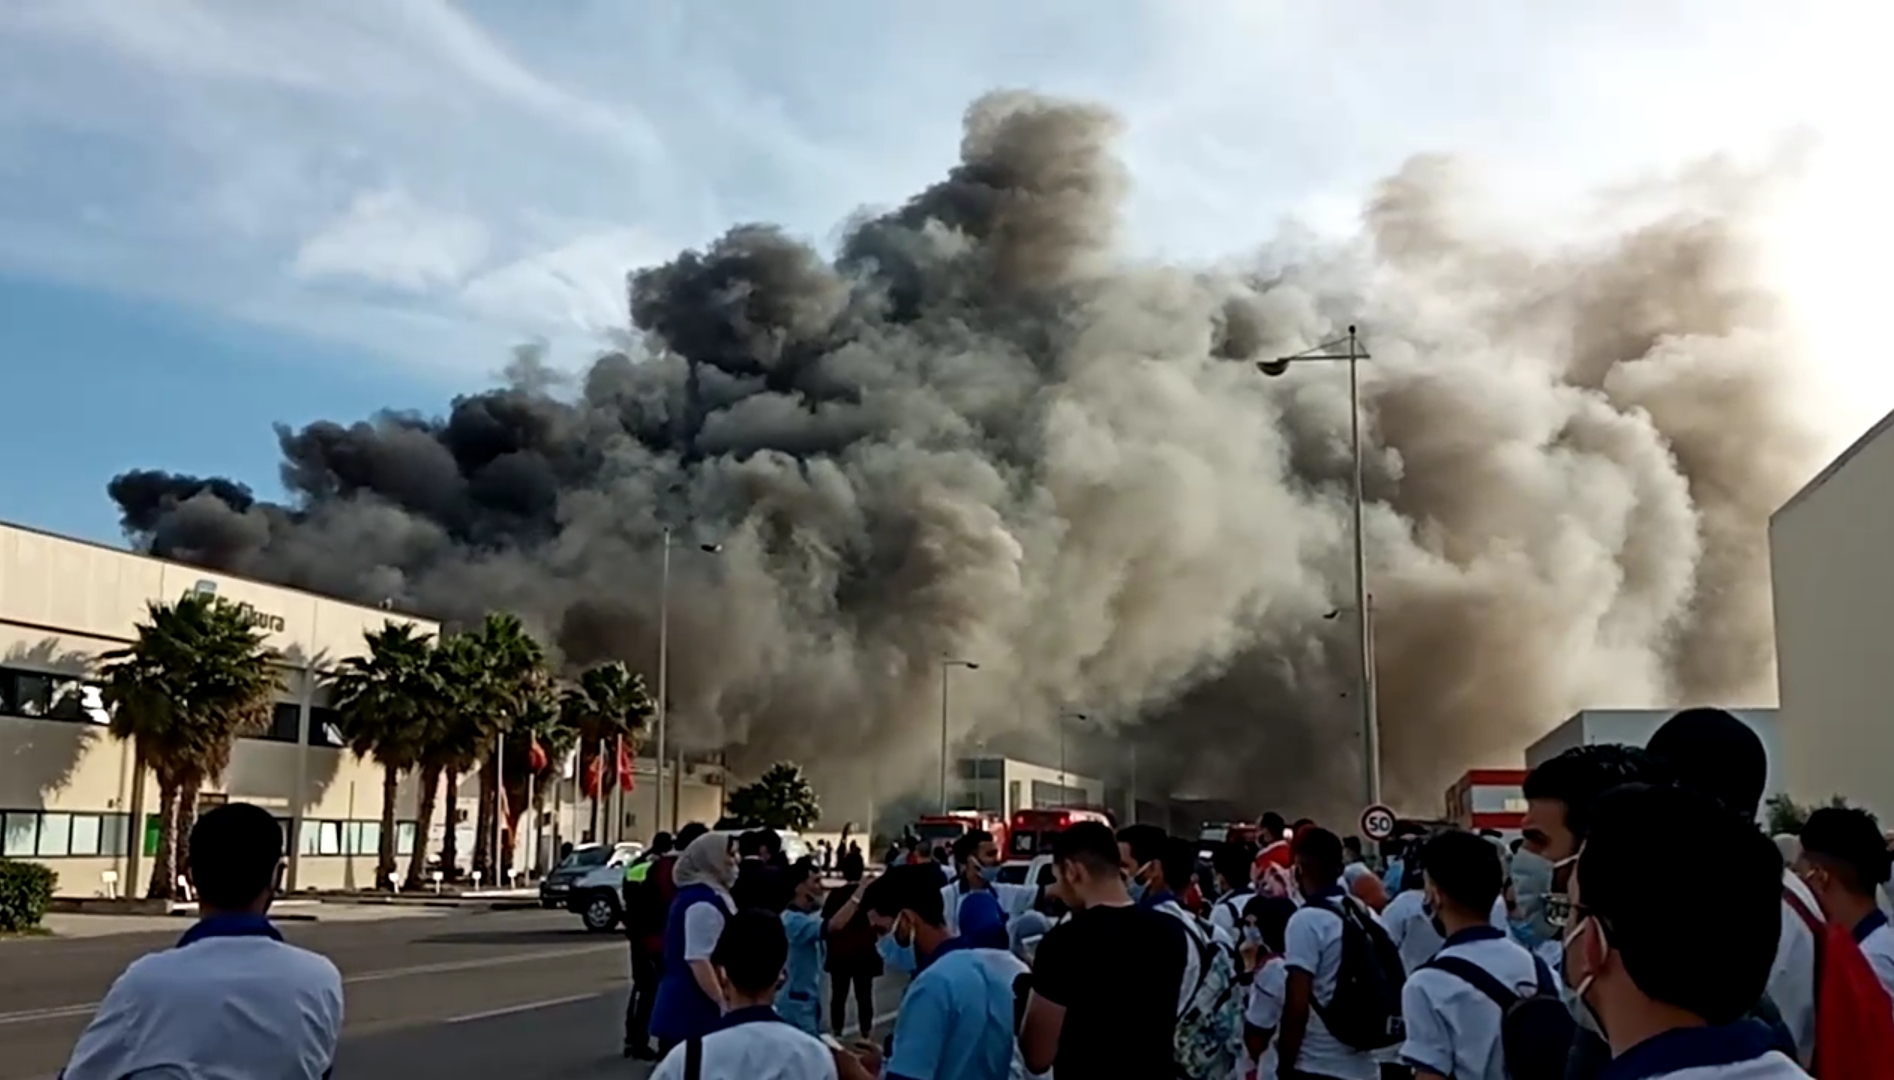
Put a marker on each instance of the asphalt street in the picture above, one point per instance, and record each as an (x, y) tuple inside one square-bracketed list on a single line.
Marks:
[(515, 994)]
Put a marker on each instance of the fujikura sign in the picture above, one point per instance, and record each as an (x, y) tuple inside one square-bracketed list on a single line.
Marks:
[(267, 622)]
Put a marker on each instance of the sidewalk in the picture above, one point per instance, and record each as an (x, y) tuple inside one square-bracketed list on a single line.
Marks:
[(492, 899), (64, 925)]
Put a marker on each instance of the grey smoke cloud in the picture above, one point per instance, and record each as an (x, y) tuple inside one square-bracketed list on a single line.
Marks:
[(981, 431)]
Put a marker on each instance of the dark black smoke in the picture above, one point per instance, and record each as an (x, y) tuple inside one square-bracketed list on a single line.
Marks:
[(979, 433)]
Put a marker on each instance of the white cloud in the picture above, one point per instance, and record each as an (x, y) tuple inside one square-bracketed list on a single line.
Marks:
[(386, 238), (436, 181)]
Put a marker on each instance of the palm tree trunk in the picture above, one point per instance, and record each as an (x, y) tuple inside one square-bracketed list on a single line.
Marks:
[(164, 862), (385, 853), (483, 860), (424, 821), (450, 830)]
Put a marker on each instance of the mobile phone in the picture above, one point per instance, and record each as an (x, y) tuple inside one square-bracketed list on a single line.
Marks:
[(832, 1042)]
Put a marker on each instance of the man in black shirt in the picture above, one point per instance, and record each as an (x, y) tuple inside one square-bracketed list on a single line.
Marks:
[(1105, 984)]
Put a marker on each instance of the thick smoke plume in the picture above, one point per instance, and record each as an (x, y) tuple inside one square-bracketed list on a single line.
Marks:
[(980, 432)]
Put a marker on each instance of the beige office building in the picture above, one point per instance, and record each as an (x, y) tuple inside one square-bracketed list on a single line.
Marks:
[(66, 786), (1832, 565)]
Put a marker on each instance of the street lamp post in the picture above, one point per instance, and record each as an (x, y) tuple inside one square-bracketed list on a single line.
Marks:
[(1349, 349), (664, 683), (1064, 781), (945, 666)]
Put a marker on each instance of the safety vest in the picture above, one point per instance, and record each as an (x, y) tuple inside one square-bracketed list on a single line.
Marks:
[(636, 872)]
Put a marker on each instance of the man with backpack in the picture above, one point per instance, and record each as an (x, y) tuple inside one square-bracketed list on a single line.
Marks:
[(1842, 860), (1342, 996), (1230, 861), (1456, 1005)]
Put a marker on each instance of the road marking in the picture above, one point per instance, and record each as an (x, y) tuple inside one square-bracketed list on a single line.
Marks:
[(61, 1012), (528, 1007)]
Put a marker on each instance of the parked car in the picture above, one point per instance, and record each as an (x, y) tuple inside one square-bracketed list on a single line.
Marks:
[(587, 883)]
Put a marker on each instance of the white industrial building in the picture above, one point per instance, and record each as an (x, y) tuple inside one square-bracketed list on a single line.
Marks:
[(67, 787), (1830, 549)]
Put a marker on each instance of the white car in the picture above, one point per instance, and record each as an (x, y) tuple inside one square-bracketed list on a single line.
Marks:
[(588, 883)]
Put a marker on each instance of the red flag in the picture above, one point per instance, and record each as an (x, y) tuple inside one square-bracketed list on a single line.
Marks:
[(594, 770), (536, 759), (627, 778)]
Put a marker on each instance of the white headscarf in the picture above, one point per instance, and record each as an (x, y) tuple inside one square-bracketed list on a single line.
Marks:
[(707, 861)]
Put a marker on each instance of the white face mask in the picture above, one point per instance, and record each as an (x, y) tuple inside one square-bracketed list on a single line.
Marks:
[(1582, 1012)]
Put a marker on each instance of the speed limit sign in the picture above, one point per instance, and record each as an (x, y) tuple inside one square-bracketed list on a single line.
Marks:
[(1377, 822)]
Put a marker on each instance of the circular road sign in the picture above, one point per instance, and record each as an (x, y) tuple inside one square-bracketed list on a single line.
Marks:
[(1377, 823)]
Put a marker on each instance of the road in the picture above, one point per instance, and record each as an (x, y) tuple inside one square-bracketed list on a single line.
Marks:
[(524, 995)]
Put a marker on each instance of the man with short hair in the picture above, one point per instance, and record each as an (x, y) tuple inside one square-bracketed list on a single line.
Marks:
[(1230, 862), (751, 1040), (1670, 994), (957, 1016), (760, 882), (233, 1000), (644, 929), (1713, 752), (977, 869), (1105, 983), (1312, 956), (1843, 861), (1453, 1019)]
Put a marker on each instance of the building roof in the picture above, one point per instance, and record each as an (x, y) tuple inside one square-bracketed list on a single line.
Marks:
[(260, 582), (1841, 460)]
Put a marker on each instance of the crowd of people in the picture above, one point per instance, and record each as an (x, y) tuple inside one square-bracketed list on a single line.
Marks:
[(1586, 948)]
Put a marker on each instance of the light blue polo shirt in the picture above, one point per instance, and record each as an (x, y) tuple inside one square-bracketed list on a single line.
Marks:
[(956, 1019)]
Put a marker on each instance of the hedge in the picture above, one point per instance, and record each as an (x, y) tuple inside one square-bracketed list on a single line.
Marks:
[(26, 888)]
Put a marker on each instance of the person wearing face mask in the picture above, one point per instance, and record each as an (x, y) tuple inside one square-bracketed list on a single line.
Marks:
[(1106, 982), (1266, 919), (1671, 995), (1454, 1005), (976, 861), (956, 1018), (750, 1040), (800, 999), (1532, 882), (690, 999), (1842, 860)]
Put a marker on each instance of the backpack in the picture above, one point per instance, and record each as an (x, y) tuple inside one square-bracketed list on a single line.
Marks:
[(1854, 1021), (1209, 1033), (1364, 1013), (1536, 1030)]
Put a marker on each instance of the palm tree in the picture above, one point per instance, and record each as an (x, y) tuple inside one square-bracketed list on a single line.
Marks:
[(608, 703), (382, 701), (515, 679), (452, 743), (196, 677), (535, 747)]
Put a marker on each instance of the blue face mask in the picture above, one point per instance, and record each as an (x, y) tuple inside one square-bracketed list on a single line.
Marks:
[(897, 956), (1136, 889), (989, 874)]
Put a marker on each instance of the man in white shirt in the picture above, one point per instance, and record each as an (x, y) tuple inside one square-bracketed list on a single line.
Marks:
[(1453, 1004), (1671, 994), (977, 869), (1231, 863), (752, 1040), (233, 1001), (1312, 958), (1843, 859)]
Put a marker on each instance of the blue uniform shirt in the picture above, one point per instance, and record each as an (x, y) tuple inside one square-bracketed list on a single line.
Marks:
[(799, 999), (956, 1019)]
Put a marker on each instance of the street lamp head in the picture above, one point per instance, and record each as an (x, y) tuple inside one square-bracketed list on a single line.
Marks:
[(711, 549), (1273, 368), (1332, 614)]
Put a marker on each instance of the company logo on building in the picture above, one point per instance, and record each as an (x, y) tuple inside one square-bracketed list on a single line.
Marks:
[(261, 620)]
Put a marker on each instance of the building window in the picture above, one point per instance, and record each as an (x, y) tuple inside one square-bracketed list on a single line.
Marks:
[(350, 837), (285, 718), (1047, 795), (58, 834), (38, 695), (404, 837), (325, 727)]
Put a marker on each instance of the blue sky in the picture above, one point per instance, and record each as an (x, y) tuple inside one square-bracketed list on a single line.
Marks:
[(216, 214)]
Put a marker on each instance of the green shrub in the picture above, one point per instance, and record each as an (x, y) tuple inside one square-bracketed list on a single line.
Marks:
[(26, 888)]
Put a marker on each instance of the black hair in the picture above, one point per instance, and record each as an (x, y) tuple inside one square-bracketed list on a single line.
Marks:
[(689, 833), (968, 845), (662, 843), (800, 871), (1321, 851), (1302, 823), (852, 870), (1089, 844), (1145, 841), (1178, 859), (1577, 777), (771, 840), (913, 888), (752, 950), (1465, 869), (749, 844), (1848, 842), (1715, 963), (1272, 915), (1715, 753), (1515, 844), (233, 855), (1352, 845), (1274, 822), (1232, 860)]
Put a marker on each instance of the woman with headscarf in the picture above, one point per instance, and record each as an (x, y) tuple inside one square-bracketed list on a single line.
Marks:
[(690, 1001)]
